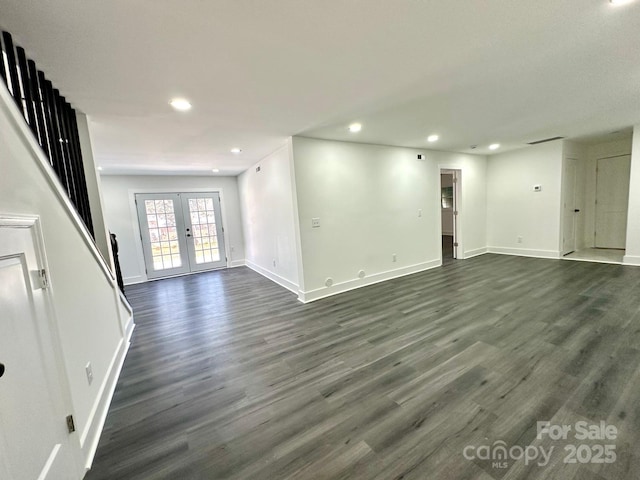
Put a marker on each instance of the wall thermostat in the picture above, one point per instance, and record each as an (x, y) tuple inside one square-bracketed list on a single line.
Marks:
[(421, 157), (537, 188)]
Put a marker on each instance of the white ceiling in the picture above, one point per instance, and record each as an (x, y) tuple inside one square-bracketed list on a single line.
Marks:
[(259, 71)]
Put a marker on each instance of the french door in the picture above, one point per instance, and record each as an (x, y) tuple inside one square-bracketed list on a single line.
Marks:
[(181, 232)]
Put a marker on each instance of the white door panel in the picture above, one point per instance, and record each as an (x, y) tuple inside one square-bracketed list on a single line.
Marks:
[(162, 229), (34, 441), (612, 197), (205, 239)]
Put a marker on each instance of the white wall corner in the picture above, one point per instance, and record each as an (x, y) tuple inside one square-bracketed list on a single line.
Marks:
[(283, 282), (631, 260), (474, 253), (296, 214), (133, 280)]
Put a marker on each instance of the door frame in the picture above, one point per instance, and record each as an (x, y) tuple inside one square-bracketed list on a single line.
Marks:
[(564, 200), (458, 219), (136, 225), (63, 405)]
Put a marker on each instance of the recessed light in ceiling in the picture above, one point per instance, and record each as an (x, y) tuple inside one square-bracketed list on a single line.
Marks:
[(433, 138), (494, 146), (235, 150), (100, 168), (619, 2), (355, 127), (215, 170), (180, 104)]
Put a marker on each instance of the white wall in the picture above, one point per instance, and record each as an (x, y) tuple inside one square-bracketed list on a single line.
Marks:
[(118, 192), (632, 254), (269, 218), (515, 210), (84, 295), (368, 199)]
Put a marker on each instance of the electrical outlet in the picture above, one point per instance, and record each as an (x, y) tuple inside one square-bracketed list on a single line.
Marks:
[(315, 222), (274, 262), (394, 258), (519, 239), (89, 371), (419, 212)]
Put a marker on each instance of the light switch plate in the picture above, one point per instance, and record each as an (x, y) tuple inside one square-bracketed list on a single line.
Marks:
[(315, 222)]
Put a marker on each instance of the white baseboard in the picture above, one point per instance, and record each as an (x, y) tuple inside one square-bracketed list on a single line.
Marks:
[(313, 295), (524, 252), (475, 252), (91, 435), (134, 280), (274, 277), (631, 260), (237, 263)]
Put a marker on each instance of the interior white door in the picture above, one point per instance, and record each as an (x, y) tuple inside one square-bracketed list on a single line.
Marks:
[(570, 210), (612, 201), (34, 441)]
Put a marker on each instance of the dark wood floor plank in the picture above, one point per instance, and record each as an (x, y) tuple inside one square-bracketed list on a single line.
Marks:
[(230, 377)]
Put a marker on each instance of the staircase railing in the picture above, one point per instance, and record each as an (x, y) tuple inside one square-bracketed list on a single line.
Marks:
[(51, 119)]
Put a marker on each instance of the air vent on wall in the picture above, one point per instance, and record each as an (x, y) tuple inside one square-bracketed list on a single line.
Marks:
[(545, 140)]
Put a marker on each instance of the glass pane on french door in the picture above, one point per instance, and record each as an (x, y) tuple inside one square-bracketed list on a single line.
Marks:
[(180, 232)]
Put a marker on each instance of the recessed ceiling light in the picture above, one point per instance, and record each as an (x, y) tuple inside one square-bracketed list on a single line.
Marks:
[(494, 146), (619, 2), (100, 168), (355, 127), (433, 138), (215, 170), (180, 104), (235, 150)]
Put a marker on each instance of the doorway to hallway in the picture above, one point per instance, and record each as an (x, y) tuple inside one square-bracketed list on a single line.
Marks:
[(449, 201)]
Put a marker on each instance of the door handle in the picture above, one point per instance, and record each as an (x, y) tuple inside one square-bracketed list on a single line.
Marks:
[(576, 210), (1, 369)]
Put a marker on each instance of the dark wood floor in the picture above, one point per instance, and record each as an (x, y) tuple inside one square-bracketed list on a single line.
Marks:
[(229, 376)]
